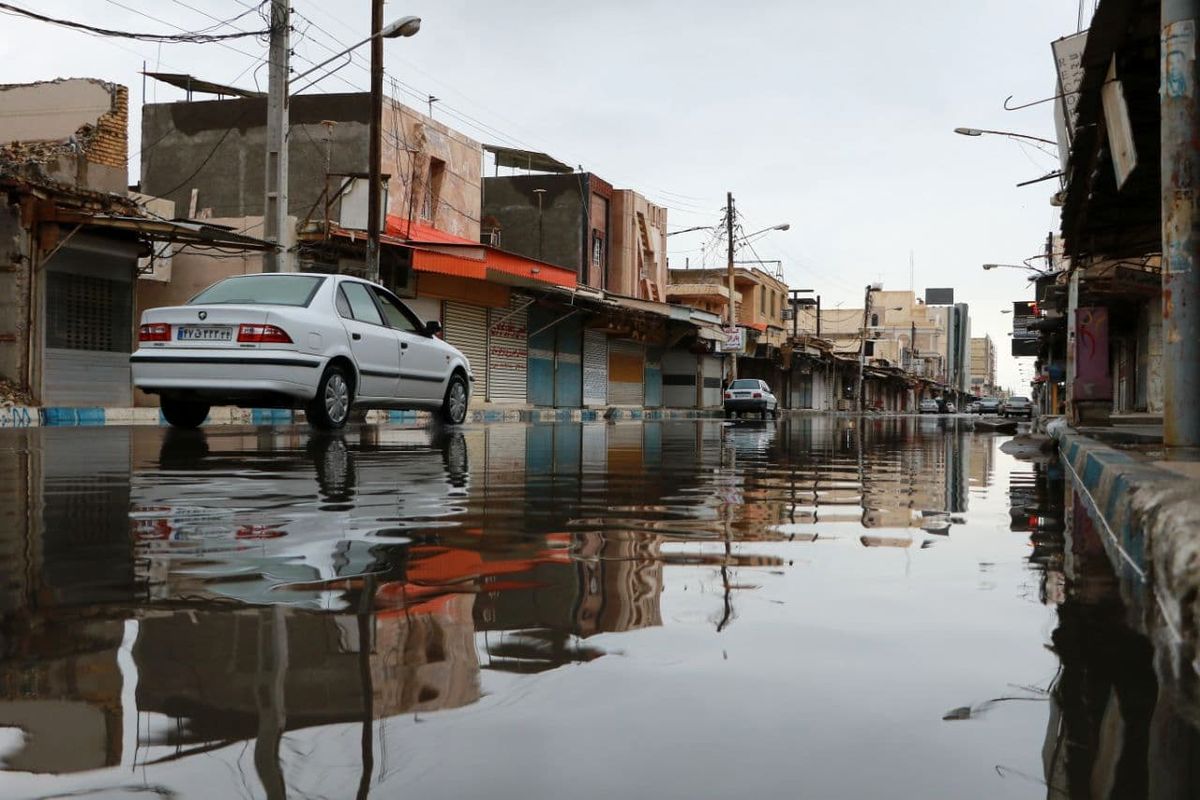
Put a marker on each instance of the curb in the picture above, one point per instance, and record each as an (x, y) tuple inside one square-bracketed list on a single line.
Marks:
[(1148, 516), (33, 417)]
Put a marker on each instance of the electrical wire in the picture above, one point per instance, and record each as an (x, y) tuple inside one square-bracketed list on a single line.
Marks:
[(188, 37)]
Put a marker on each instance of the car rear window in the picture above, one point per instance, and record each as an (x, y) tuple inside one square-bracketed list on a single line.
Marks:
[(1018, 399), (270, 290), (745, 384)]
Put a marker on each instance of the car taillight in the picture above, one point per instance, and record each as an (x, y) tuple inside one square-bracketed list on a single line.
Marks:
[(154, 332), (758, 395), (262, 334), (729, 395)]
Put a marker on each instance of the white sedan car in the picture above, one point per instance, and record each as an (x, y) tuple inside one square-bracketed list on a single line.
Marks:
[(326, 343)]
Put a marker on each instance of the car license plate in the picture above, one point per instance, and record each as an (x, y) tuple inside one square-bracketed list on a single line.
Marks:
[(204, 333), (741, 394)]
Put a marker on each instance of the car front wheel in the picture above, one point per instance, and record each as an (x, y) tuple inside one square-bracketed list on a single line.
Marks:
[(330, 409), (184, 413), (454, 406)]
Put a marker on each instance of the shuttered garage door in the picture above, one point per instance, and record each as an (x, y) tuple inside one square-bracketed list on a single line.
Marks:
[(626, 369), (508, 352), (595, 368), (679, 379), (712, 370), (466, 329)]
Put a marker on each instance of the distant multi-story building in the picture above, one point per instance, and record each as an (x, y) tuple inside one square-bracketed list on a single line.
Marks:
[(983, 365), (759, 298)]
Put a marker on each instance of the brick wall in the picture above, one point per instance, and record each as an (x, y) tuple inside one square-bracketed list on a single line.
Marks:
[(108, 141)]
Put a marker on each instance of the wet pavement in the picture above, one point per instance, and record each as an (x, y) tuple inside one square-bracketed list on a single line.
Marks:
[(821, 607)]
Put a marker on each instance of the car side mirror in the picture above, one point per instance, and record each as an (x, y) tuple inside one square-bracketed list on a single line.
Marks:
[(433, 328)]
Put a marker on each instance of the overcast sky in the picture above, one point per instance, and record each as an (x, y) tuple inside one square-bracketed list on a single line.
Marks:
[(837, 117)]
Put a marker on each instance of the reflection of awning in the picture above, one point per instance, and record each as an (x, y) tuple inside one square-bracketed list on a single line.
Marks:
[(526, 159), (172, 231)]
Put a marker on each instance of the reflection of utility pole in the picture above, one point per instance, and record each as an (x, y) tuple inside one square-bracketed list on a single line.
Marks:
[(269, 697), (366, 641)]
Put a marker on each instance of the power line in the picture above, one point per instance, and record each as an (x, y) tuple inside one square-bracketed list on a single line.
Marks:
[(189, 37)]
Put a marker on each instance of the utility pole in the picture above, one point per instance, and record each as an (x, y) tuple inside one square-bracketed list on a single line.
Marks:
[(374, 147), (275, 199), (818, 316), (862, 349), (731, 274), (1180, 136)]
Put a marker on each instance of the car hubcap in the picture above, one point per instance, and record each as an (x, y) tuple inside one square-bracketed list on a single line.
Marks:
[(458, 402), (337, 398)]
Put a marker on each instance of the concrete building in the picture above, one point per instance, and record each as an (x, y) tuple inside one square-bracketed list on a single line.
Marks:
[(983, 366), (74, 242), (759, 299)]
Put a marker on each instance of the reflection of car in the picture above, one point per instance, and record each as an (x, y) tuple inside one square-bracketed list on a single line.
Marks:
[(323, 342), (1017, 407), (973, 407), (988, 405), (951, 408), (929, 407), (750, 395)]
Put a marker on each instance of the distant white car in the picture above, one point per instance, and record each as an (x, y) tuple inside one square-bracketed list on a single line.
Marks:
[(327, 343), (750, 395)]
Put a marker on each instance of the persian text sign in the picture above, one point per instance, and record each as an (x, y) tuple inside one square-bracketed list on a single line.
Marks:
[(508, 345), (734, 341)]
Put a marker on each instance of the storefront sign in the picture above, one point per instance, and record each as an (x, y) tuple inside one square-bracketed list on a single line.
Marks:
[(734, 340)]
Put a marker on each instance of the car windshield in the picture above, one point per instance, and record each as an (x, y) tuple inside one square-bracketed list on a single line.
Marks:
[(272, 290), (745, 384)]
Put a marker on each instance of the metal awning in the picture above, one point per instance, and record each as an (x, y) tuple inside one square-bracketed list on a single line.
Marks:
[(190, 83), (187, 232), (526, 159)]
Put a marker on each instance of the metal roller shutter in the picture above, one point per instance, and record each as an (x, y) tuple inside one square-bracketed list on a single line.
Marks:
[(711, 370), (679, 379), (466, 329), (626, 371), (595, 368), (654, 377), (508, 352)]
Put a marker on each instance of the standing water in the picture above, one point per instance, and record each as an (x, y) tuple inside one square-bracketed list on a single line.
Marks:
[(825, 607)]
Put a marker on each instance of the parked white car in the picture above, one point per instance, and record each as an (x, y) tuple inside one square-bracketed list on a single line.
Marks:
[(326, 343)]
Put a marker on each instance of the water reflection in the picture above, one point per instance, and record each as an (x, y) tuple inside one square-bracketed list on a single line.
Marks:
[(168, 595)]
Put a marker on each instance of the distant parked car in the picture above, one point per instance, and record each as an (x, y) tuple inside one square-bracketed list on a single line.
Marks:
[(1017, 407), (750, 395), (326, 343), (988, 405), (973, 407), (929, 407)]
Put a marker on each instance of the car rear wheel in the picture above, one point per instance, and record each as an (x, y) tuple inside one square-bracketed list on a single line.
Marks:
[(330, 409), (184, 413), (454, 406)]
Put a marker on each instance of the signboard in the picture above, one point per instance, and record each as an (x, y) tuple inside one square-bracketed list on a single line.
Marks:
[(1024, 337), (1093, 381), (1117, 125), (1068, 63), (939, 297), (734, 340)]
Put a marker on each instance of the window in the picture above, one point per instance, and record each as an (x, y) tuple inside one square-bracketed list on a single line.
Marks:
[(746, 384), (433, 189), (271, 290), (361, 305), (597, 249), (762, 300), (396, 316), (874, 320)]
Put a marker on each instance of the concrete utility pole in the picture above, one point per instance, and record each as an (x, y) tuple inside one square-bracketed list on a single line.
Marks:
[(375, 154), (275, 200), (731, 274), (862, 350), (1180, 134)]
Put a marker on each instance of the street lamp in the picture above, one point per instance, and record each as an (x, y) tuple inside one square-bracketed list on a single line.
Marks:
[(689, 230), (405, 26), (783, 226), (1010, 134), (1027, 267)]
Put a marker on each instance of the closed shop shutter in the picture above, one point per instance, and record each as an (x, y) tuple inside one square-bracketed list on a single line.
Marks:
[(466, 329), (712, 370), (626, 371), (88, 330), (595, 368), (508, 351), (679, 379), (654, 383)]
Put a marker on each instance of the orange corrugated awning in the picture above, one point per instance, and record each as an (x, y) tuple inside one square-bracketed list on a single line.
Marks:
[(444, 264)]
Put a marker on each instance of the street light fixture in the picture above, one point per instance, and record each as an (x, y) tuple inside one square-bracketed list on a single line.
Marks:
[(405, 26), (1010, 134), (1027, 267), (689, 230)]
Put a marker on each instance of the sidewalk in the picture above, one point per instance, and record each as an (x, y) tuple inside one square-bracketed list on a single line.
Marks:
[(32, 417), (1149, 513)]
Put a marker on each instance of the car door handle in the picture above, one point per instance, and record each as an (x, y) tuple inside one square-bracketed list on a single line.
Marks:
[(356, 336), (404, 345)]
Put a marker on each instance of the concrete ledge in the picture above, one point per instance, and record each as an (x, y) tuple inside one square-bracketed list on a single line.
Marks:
[(1149, 518)]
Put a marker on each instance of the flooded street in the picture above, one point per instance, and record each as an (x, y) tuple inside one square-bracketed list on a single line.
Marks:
[(821, 607)]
